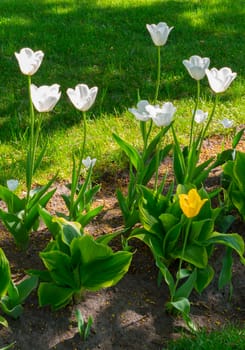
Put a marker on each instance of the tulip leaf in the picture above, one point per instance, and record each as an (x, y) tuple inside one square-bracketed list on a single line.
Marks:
[(186, 288), (4, 273), (130, 151), (232, 240), (204, 277), (226, 271), (54, 295)]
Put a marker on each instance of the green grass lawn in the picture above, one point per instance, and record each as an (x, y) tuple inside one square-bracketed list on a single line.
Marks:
[(105, 43)]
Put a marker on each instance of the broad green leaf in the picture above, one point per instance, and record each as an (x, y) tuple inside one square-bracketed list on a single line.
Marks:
[(13, 295), (89, 250), (25, 287), (204, 277), (84, 219), (166, 274), (53, 295), (194, 254), (181, 304), (232, 240), (171, 239), (226, 271), (130, 151), (186, 288), (151, 240), (168, 221), (60, 268), (5, 275), (3, 321), (239, 170), (12, 311), (105, 272), (237, 138), (13, 202), (201, 230)]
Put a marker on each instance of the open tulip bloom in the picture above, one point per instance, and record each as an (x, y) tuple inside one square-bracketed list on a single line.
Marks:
[(44, 98), (159, 33), (227, 123), (200, 116), (82, 97), (29, 61), (161, 116), (141, 112), (196, 66), (220, 80)]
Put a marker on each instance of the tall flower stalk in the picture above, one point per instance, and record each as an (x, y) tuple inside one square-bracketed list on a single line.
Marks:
[(82, 98), (159, 34)]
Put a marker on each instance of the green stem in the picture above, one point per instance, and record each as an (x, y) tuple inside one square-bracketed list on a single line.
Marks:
[(78, 170), (181, 258), (158, 73), (194, 112), (208, 123), (32, 144)]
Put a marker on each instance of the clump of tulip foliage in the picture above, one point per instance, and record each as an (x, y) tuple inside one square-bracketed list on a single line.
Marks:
[(177, 223)]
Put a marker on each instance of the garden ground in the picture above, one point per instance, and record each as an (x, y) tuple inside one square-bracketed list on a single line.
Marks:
[(131, 314)]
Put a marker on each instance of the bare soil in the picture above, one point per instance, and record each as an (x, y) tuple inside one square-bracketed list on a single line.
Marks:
[(130, 315)]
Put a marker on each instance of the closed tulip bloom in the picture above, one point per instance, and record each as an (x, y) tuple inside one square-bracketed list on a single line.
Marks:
[(191, 203), (161, 116), (159, 33), (140, 112), (227, 123), (44, 98), (82, 97), (220, 80), (29, 61), (200, 116), (88, 162), (196, 66)]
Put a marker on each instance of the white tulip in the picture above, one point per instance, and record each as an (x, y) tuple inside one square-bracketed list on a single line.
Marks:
[(29, 61), (227, 123), (140, 113), (161, 116), (82, 97), (200, 116), (44, 98), (220, 80), (12, 184), (196, 66), (88, 162), (159, 33)]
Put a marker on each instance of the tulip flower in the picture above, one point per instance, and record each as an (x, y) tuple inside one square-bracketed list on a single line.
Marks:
[(200, 116), (227, 123), (12, 184), (220, 80), (161, 116), (88, 162), (44, 98), (191, 203), (159, 33), (82, 97), (196, 66), (29, 61), (141, 113)]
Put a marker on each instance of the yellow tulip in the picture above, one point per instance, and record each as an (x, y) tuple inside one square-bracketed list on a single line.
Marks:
[(191, 203)]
